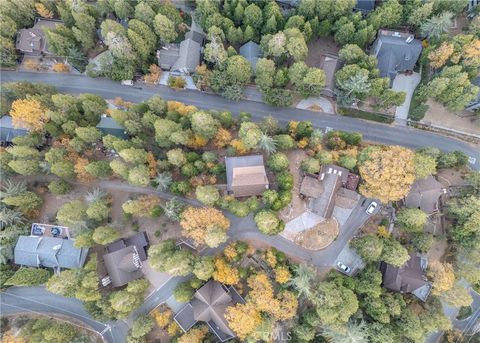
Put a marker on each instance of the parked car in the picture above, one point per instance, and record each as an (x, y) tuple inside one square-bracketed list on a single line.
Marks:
[(372, 207), (343, 267)]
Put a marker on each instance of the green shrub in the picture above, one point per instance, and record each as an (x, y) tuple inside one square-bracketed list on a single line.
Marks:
[(59, 187)]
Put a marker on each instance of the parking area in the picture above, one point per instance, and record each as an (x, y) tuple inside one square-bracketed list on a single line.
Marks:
[(351, 259)]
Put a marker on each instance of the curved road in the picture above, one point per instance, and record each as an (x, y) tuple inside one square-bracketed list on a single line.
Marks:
[(382, 133)]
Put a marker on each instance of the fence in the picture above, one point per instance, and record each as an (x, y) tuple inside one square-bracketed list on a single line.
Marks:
[(374, 116), (468, 137)]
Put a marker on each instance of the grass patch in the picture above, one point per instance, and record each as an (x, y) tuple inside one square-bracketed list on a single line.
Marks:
[(354, 113), (464, 313)]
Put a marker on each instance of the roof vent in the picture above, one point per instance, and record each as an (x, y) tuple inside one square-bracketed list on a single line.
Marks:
[(409, 39), (396, 34)]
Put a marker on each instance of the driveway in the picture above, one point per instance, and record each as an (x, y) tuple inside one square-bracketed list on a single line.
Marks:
[(407, 84)]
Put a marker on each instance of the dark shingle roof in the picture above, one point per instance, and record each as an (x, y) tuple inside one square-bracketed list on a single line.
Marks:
[(123, 266), (49, 252), (110, 127), (424, 194), (394, 53), (408, 278)]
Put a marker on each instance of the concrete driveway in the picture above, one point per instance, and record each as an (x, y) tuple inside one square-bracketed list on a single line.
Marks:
[(407, 84)]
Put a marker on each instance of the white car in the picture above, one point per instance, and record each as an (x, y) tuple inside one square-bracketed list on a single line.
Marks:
[(343, 267), (371, 208)]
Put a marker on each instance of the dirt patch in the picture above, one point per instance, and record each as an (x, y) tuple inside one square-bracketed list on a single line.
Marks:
[(318, 237), (438, 250), (318, 47), (464, 121), (316, 108), (451, 177), (297, 206)]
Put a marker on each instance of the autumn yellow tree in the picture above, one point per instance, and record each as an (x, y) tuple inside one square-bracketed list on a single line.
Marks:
[(204, 225), (271, 258), (387, 173), (239, 146), (440, 56), (222, 138), (442, 276), (28, 114), (261, 293), (243, 319), (142, 206), (60, 68), (154, 76), (162, 318), (225, 273), (43, 11), (282, 274), (471, 54), (288, 304), (195, 335)]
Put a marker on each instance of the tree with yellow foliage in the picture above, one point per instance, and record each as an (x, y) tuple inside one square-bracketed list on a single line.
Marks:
[(288, 305), (222, 138), (239, 146), (60, 68), (471, 54), (205, 225), (31, 64), (387, 173), (162, 318), (43, 11), (195, 335), (180, 108), (28, 114), (243, 319), (271, 258), (79, 168), (442, 276), (282, 274), (440, 56), (154, 76), (173, 329), (230, 252), (225, 273), (261, 293)]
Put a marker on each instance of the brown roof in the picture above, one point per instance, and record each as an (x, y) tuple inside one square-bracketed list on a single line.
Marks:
[(209, 305), (424, 194), (330, 64), (311, 187), (32, 40), (408, 278), (246, 175), (123, 266), (352, 181), (346, 198)]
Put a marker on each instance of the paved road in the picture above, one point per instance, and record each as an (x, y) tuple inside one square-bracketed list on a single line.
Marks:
[(38, 300), (387, 134)]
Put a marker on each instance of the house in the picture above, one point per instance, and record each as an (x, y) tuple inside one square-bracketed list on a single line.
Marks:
[(396, 52), (330, 64), (409, 278), (425, 194), (208, 305), (330, 190), (109, 126), (123, 260), (32, 41), (364, 6), (8, 132), (196, 33), (251, 51), (183, 58), (246, 175), (100, 62), (50, 252), (475, 104)]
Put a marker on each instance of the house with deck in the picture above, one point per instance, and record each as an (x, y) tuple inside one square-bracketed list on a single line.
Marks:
[(246, 175)]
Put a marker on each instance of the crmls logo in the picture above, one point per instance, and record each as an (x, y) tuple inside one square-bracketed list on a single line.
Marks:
[(274, 336)]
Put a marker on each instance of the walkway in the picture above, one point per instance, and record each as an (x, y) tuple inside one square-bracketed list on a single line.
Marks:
[(407, 84)]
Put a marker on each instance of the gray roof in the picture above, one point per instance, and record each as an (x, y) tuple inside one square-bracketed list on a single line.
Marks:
[(139, 240), (123, 266), (394, 54), (189, 56), (246, 175), (32, 41), (424, 194), (49, 252), (364, 6), (7, 131), (311, 187), (109, 126), (209, 305), (196, 33), (251, 52), (330, 64), (408, 278), (168, 55)]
